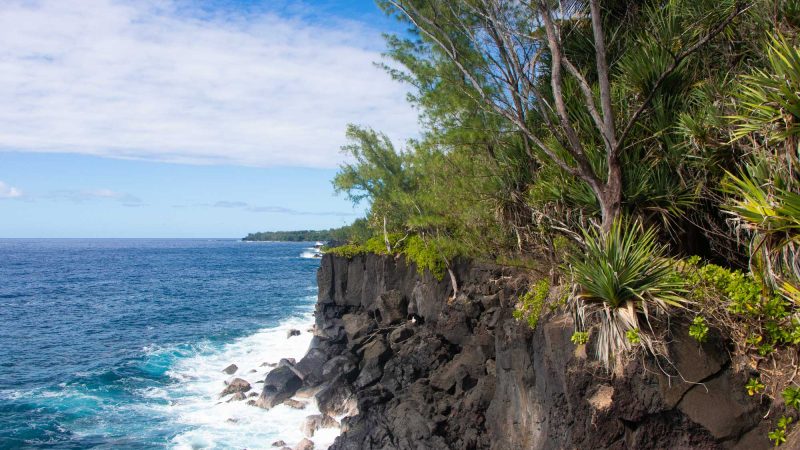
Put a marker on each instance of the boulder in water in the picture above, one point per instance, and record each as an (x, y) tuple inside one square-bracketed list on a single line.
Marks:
[(296, 404), (281, 384), (279, 444), (317, 421), (287, 362), (305, 444), (238, 385), (237, 397), (230, 370), (292, 332)]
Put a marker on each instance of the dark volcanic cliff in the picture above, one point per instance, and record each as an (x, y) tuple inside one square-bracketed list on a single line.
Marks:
[(415, 369)]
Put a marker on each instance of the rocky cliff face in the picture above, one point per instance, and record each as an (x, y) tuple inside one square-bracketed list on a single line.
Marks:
[(413, 368)]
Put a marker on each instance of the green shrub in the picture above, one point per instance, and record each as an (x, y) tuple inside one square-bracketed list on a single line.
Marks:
[(579, 338), (347, 251), (791, 396), (530, 305), (427, 254), (699, 329), (633, 336), (778, 435), (754, 386), (765, 318)]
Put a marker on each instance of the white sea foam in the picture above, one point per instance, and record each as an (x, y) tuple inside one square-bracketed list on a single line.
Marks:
[(309, 254), (213, 422)]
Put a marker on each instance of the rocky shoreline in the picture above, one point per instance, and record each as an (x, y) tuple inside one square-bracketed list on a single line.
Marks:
[(397, 361), (246, 385)]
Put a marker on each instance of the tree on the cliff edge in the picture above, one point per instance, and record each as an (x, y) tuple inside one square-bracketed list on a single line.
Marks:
[(527, 63)]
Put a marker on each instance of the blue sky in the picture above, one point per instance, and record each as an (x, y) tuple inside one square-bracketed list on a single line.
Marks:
[(185, 119)]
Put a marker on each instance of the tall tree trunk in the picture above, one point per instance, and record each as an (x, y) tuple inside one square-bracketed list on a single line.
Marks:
[(611, 197)]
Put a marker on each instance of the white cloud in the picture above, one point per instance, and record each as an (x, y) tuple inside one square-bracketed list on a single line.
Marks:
[(7, 191), (267, 209), (80, 196), (146, 80)]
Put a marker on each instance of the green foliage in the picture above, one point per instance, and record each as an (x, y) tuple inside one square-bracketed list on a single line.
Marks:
[(347, 251), (624, 277), (530, 305), (380, 175), (765, 196), (699, 329), (375, 244), (429, 254), (742, 291), (633, 336), (754, 386), (767, 319), (625, 265), (791, 397), (426, 255), (778, 435), (579, 337), (768, 98)]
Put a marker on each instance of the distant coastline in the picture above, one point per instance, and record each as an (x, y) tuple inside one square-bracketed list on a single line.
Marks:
[(291, 236), (343, 234)]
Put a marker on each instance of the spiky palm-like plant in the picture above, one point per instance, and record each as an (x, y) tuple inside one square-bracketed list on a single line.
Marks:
[(624, 279), (765, 197)]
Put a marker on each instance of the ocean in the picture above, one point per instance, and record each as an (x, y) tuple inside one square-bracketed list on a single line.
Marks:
[(121, 343)]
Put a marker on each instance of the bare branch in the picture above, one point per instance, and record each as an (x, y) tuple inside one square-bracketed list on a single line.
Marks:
[(585, 169), (588, 97), (603, 76)]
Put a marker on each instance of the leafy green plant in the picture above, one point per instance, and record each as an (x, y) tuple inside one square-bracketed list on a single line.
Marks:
[(778, 435), (770, 211), (347, 251), (431, 254), (579, 337), (791, 397), (768, 96), (754, 386), (633, 336), (765, 196), (625, 279), (764, 320), (428, 254), (699, 329), (530, 305)]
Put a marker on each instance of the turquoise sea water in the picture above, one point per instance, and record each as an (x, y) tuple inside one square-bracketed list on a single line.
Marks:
[(121, 343)]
